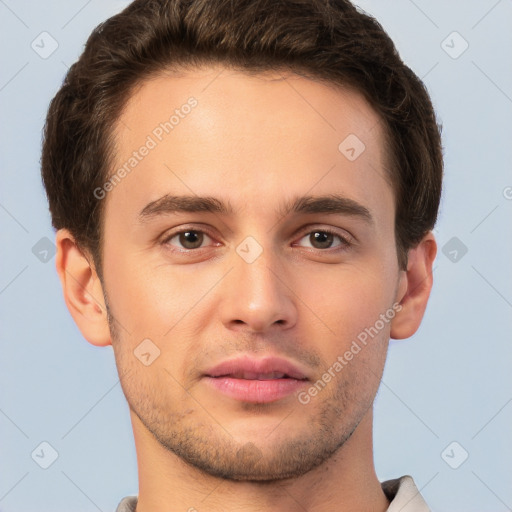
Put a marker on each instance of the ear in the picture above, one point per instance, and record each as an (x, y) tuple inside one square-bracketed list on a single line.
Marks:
[(82, 290), (414, 288)]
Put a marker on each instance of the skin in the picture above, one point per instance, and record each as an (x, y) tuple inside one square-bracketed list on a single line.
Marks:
[(253, 142)]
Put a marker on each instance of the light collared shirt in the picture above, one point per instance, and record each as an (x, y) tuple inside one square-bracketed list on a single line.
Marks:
[(401, 492)]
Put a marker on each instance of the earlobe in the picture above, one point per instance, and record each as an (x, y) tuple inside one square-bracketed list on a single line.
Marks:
[(82, 290), (414, 289)]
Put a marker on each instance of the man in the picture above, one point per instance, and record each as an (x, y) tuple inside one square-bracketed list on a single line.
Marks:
[(244, 193)]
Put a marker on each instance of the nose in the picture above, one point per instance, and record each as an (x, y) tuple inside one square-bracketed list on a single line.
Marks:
[(258, 296)]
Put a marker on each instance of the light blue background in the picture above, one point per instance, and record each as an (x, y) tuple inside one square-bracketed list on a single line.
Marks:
[(450, 382)]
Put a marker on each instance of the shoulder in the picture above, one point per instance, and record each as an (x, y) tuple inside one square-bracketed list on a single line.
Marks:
[(127, 504), (404, 495)]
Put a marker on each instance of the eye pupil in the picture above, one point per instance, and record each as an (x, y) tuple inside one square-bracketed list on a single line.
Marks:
[(322, 238), (191, 239)]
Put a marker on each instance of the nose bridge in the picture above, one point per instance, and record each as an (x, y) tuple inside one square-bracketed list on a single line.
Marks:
[(260, 278), (256, 293)]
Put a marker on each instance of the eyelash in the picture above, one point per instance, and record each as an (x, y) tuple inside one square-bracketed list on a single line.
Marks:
[(345, 244)]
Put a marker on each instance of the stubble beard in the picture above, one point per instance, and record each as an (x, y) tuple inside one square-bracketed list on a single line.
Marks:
[(210, 448)]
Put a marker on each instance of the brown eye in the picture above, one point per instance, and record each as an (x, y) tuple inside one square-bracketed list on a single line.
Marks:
[(189, 239), (324, 239), (321, 239)]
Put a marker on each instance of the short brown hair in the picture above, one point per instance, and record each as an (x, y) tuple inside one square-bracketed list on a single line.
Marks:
[(326, 40)]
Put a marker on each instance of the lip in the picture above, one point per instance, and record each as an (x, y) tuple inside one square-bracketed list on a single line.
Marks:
[(256, 380)]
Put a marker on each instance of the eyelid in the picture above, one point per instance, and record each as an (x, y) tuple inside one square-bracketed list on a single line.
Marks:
[(199, 229), (344, 235)]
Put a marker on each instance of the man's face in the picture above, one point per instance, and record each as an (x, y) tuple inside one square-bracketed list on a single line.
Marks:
[(257, 281)]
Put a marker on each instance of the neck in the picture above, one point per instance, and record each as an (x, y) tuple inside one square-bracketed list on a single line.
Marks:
[(345, 482)]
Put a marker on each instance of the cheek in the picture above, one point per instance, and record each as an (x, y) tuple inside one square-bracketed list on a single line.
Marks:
[(132, 303), (156, 315), (158, 301), (346, 306)]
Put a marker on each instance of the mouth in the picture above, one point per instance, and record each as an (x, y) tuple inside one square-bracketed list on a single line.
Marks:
[(257, 376), (256, 380)]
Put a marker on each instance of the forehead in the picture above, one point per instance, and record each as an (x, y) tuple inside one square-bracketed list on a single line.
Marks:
[(252, 138)]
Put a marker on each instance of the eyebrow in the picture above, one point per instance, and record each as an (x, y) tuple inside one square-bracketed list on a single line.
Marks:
[(327, 204)]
